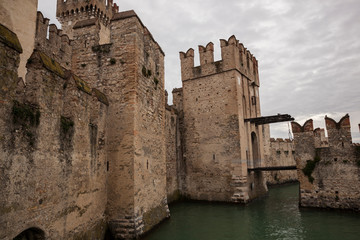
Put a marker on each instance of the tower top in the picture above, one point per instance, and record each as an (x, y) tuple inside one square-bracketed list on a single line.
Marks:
[(75, 10)]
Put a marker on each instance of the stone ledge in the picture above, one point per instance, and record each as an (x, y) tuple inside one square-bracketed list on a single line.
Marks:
[(10, 38), (52, 65)]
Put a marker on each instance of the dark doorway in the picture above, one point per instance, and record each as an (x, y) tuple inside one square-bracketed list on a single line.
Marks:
[(31, 234), (255, 150)]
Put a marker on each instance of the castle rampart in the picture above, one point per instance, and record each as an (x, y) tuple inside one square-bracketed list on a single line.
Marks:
[(57, 46), (327, 167), (58, 184), (124, 70)]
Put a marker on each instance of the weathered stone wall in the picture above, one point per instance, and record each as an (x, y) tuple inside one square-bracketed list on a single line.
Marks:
[(130, 70), (150, 153), (219, 145), (53, 168), (282, 154), (20, 17), (329, 176), (173, 146)]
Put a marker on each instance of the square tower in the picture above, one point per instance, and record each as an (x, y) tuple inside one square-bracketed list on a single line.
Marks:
[(220, 143)]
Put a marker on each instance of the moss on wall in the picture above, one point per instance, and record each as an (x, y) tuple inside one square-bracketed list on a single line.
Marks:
[(52, 65), (309, 168), (10, 38), (101, 96), (82, 85)]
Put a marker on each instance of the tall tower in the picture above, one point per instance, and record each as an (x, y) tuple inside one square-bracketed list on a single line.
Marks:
[(221, 143), (69, 12)]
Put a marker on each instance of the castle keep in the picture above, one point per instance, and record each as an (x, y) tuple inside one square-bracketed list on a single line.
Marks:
[(219, 144)]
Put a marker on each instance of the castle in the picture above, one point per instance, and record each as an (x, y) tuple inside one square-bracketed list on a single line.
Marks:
[(89, 146), (328, 167)]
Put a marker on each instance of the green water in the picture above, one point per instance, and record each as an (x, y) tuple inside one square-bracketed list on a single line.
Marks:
[(276, 216)]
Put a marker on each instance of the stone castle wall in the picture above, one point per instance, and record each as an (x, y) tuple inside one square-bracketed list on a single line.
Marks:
[(328, 173), (174, 136), (282, 154), (120, 135), (53, 143)]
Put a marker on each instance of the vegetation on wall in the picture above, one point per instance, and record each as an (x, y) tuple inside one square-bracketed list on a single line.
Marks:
[(309, 168)]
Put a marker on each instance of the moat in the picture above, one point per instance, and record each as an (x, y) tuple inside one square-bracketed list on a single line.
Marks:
[(276, 216)]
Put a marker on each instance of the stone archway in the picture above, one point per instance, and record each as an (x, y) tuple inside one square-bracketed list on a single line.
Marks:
[(255, 150), (31, 234)]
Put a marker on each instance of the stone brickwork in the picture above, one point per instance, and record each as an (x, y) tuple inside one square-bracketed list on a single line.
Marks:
[(172, 169), (53, 168), (219, 145), (328, 168), (109, 155), (175, 164), (130, 70), (281, 154)]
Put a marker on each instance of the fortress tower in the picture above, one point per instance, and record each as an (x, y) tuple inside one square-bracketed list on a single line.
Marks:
[(221, 143), (68, 12)]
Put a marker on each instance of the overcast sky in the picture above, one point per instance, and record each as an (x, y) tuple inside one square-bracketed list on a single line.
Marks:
[(308, 51)]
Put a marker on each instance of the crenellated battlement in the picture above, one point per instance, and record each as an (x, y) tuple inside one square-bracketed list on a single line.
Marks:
[(57, 45), (281, 140), (307, 127), (344, 123), (103, 9), (234, 56), (339, 133)]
